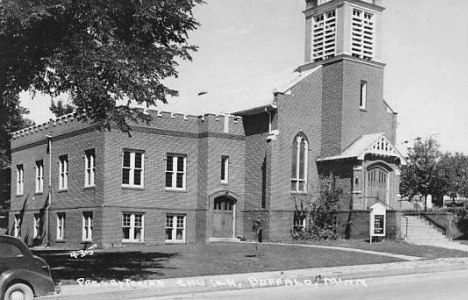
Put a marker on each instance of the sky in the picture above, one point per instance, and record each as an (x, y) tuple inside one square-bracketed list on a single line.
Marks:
[(247, 48)]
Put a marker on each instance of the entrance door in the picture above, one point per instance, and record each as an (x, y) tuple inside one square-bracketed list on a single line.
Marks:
[(223, 217), (377, 184)]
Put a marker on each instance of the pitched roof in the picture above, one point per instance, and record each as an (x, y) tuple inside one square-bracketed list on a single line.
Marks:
[(266, 99), (375, 143)]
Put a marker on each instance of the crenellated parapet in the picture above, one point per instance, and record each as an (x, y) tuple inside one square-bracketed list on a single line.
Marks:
[(165, 120)]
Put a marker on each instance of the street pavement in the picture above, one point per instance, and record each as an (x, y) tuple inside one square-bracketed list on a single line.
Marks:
[(444, 285)]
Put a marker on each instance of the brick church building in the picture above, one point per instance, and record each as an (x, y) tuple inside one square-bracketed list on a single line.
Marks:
[(185, 179)]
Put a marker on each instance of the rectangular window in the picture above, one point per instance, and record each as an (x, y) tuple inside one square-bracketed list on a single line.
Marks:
[(17, 226), (299, 222), (60, 226), (19, 179), (39, 176), (133, 227), (224, 169), (175, 172), (87, 226), (90, 167), (132, 168), (37, 226), (63, 169), (363, 98), (175, 228)]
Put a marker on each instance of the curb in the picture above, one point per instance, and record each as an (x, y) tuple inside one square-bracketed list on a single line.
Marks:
[(351, 275)]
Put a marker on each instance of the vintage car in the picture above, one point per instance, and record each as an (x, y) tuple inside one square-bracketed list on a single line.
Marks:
[(23, 275)]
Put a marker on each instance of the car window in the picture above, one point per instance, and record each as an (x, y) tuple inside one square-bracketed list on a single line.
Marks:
[(8, 250)]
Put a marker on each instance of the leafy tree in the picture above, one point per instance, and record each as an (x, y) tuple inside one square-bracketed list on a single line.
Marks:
[(454, 168), (421, 176), (60, 109), (11, 119), (106, 55)]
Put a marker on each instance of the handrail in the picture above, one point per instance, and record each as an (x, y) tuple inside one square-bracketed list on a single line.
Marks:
[(377, 200)]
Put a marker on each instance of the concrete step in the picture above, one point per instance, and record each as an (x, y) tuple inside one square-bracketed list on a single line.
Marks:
[(419, 231)]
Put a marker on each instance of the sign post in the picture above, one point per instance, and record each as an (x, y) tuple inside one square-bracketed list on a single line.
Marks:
[(377, 221)]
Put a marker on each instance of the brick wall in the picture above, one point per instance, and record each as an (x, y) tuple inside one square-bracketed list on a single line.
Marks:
[(355, 224)]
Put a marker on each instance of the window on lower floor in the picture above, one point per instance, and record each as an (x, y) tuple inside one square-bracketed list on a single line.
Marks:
[(17, 226), (175, 172), (133, 227), (60, 226), (299, 222), (175, 228), (87, 226), (37, 233)]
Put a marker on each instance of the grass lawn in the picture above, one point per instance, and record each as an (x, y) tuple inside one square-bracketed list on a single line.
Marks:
[(171, 261), (397, 248)]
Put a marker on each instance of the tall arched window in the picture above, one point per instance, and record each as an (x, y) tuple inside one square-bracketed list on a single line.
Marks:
[(299, 164)]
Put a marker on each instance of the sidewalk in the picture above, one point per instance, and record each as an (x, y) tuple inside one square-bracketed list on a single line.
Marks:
[(129, 289)]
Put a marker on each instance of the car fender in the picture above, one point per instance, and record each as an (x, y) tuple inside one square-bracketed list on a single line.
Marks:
[(41, 284)]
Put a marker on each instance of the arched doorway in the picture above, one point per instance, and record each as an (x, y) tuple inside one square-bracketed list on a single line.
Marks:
[(223, 217), (377, 185)]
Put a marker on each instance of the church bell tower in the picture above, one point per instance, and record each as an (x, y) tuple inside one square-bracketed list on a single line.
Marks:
[(342, 28)]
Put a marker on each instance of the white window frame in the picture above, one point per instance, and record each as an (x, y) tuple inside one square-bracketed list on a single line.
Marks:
[(39, 176), (224, 169), (132, 227), (132, 169), (37, 224), (63, 172), (296, 179), (300, 222), (363, 95), (61, 226), (90, 167), (173, 225), (19, 179), (87, 229), (17, 226), (174, 173)]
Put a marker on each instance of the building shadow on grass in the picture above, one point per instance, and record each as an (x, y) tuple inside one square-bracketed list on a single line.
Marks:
[(104, 266)]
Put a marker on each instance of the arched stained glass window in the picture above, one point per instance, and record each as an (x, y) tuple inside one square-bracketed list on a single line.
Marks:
[(299, 164)]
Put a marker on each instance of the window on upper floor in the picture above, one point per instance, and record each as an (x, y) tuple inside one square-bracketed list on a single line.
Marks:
[(175, 171), (39, 176), (63, 172), (19, 179), (90, 167), (363, 95), (224, 169), (299, 164), (133, 168)]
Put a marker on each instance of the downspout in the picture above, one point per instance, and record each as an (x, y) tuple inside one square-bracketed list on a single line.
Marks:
[(49, 198)]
